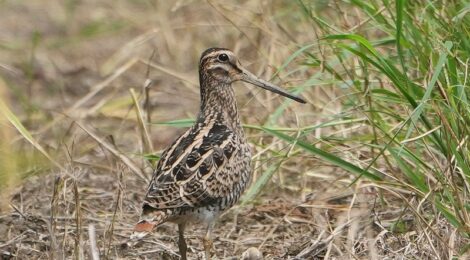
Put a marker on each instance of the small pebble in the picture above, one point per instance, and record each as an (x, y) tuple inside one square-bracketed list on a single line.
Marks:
[(252, 253)]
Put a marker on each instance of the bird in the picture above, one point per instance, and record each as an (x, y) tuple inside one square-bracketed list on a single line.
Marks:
[(205, 171)]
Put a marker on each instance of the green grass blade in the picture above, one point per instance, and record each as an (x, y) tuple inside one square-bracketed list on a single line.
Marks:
[(414, 175), (417, 113), (328, 157), (259, 184), (291, 58), (447, 214), (399, 25), (10, 116), (181, 123)]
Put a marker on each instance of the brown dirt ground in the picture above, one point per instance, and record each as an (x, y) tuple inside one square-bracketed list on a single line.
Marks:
[(308, 210), (279, 226)]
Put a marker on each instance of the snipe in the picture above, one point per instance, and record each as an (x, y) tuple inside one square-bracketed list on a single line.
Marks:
[(206, 169)]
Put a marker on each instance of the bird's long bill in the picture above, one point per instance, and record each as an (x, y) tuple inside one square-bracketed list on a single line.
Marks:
[(251, 78)]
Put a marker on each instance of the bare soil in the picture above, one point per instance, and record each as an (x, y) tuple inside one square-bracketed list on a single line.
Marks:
[(71, 64)]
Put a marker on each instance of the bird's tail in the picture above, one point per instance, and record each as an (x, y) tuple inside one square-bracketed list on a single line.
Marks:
[(147, 223), (142, 228)]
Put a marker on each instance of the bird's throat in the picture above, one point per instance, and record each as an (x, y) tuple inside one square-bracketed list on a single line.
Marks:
[(218, 101)]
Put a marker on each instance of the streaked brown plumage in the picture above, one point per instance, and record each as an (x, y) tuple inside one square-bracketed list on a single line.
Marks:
[(205, 171)]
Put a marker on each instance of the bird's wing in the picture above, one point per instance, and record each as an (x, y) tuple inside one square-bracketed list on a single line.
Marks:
[(191, 167)]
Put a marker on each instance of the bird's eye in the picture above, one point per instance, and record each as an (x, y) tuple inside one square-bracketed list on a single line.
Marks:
[(223, 57)]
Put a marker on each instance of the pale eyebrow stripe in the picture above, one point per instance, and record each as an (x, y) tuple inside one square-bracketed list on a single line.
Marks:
[(213, 54)]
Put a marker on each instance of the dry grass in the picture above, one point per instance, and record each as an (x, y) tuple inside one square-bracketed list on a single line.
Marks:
[(68, 70)]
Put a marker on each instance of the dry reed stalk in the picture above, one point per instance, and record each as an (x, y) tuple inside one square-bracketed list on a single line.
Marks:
[(117, 200), (95, 254), (79, 254), (136, 170), (144, 132)]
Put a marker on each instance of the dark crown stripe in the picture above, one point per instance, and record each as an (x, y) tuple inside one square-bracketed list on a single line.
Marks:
[(212, 52)]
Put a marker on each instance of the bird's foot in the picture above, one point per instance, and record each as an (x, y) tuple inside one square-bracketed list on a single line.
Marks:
[(208, 244)]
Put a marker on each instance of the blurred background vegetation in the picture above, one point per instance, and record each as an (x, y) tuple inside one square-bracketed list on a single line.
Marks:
[(377, 164)]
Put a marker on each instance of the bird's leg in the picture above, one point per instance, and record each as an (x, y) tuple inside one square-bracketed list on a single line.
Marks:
[(182, 242), (207, 240)]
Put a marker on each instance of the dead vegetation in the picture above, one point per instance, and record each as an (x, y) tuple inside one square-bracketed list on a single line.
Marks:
[(89, 80)]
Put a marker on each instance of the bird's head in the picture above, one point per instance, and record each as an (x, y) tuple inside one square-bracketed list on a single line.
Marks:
[(223, 66)]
